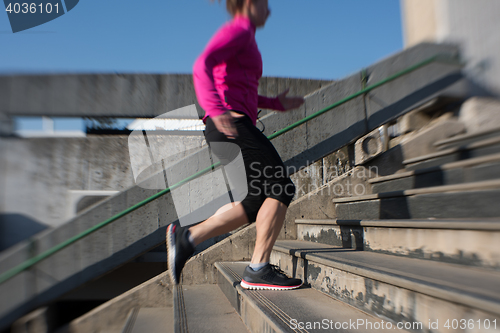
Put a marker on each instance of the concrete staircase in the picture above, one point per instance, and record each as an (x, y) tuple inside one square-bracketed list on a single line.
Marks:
[(334, 248), (419, 253), (303, 310)]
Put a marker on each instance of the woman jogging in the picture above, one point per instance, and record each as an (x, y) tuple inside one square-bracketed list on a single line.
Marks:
[(226, 78)]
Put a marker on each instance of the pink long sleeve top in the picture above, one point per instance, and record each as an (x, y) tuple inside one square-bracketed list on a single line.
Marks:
[(226, 75)]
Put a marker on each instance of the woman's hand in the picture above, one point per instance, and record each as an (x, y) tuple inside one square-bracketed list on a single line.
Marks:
[(290, 103), (225, 125)]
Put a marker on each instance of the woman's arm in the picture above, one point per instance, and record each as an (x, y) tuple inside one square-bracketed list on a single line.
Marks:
[(280, 102), (272, 103)]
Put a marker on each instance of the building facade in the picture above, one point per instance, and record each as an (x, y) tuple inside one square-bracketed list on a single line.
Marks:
[(472, 24)]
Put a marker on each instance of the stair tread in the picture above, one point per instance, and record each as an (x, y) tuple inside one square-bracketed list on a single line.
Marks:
[(208, 310), (472, 186), (444, 152), (492, 224), (447, 166), (452, 282), (303, 304), (465, 136), (152, 320)]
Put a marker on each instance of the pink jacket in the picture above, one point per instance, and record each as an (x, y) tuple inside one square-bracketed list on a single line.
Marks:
[(226, 75)]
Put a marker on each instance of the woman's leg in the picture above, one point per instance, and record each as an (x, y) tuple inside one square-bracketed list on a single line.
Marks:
[(226, 219), (269, 222), (266, 276), (231, 216)]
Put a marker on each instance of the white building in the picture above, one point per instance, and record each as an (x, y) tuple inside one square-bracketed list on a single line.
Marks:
[(473, 24)]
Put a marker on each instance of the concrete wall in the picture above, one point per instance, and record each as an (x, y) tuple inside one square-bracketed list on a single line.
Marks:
[(113, 95), (473, 25), (39, 174)]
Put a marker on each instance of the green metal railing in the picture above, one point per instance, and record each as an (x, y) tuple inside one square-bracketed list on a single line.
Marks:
[(32, 261)]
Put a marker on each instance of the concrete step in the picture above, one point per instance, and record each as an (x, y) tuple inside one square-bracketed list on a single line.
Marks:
[(151, 320), (469, 242), (470, 170), (468, 200), (400, 289), (476, 149), (203, 308), (467, 138), (284, 311)]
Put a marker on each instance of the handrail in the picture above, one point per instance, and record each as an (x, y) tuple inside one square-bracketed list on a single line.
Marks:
[(32, 261)]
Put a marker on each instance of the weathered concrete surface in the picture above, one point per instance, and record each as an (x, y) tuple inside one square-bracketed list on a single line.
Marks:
[(349, 237), (470, 242), (153, 320), (371, 145), (115, 95), (467, 139), (452, 203), (309, 309), (237, 247), (422, 142), (480, 114), (7, 127), (108, 248), (321, 172), (323, 135), (39, 173), (398, 289), (105, 249), (416, 133), (111, 315), (470, 170), (404, 94), (38, 321), (208, 310), (465, 247), (424, 114), (475, 149), (413, 121), (317, 204)]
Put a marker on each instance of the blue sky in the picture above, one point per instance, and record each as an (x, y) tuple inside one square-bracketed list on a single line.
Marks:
[(317, 39)]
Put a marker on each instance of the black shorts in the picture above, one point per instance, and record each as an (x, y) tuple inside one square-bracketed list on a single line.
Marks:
[(266, 175)]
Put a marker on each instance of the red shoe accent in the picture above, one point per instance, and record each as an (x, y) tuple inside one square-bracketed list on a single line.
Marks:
[(246, 285)]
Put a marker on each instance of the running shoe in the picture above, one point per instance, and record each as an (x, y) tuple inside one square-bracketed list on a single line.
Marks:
[(268, 277), (179, 250)]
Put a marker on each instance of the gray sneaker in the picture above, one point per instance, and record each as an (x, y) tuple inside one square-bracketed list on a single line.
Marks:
[(268, 277), (179, 250)]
